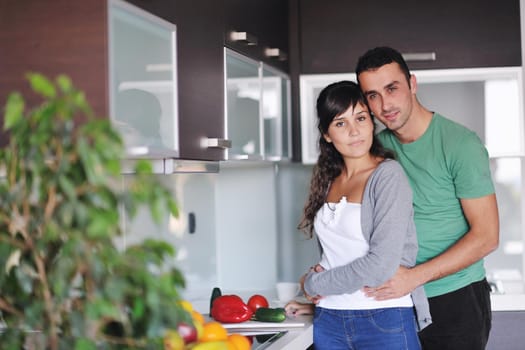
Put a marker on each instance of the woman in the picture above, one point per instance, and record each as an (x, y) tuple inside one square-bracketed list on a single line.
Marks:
[(360, 208)]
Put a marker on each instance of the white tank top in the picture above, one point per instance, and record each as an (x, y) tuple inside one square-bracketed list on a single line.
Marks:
[(338, 226)]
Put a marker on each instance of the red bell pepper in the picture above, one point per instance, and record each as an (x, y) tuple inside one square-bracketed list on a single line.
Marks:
[(230, 309)]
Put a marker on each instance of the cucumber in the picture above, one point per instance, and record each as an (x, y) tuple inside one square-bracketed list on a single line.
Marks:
[(215, 293), (267, 314)]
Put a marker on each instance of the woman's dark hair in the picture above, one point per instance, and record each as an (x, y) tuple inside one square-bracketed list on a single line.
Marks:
[(333, 100), (377, 57)]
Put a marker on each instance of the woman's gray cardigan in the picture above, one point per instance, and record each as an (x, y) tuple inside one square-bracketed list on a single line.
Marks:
[(387, 222)]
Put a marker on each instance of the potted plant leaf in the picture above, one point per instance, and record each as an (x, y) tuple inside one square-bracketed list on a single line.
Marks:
[(63, 282)]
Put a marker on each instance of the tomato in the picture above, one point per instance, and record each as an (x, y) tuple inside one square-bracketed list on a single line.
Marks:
[(256, 301)]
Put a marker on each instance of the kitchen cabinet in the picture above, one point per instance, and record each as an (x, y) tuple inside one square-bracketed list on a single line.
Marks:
[(143, 81), (200, 44), (72, 38), (259, 30), (507, 331), (276, 114), (461, 34), (257, 109)]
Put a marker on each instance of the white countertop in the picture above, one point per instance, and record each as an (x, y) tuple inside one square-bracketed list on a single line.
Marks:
[(296, 338), (507, 302)]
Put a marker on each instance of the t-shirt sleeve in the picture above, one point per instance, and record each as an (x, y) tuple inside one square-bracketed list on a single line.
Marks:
[(470, 167)]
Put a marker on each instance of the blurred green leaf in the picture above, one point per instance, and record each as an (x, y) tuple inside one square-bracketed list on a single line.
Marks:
[(173, 207), (13, 110), (64, 179), (64, 83), (68, 187), (41, 84), (85, 344), (138, 308)]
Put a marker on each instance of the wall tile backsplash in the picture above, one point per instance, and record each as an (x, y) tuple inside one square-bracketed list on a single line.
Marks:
[(245, 237)]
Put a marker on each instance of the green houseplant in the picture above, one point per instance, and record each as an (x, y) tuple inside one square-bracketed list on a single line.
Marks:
[(63, 284)]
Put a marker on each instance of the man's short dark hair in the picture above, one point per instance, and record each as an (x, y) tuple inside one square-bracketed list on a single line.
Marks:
[(378, 57)]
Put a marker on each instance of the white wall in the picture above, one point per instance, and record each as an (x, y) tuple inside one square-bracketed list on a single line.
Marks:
[(296, 252), (246, 227)]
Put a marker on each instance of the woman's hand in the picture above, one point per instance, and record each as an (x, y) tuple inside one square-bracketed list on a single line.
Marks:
[(317, 268), (295, 308), (314, 299)]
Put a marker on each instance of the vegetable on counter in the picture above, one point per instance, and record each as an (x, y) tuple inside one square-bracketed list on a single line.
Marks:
[(266, 314), (202, 335), (256, 301), (215, 293), (230, 309)]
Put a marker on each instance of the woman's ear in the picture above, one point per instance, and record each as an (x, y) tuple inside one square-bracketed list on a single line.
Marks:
[(327, 138)]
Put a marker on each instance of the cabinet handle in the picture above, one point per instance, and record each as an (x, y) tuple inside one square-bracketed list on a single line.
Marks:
[(243, 37), (275, 53), (419, 56), (216, 143)]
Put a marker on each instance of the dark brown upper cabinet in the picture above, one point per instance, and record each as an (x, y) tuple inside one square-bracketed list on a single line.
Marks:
[(460, 34), (258, 30), (71, 37), (200, 45)]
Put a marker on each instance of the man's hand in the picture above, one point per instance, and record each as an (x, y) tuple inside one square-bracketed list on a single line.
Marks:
[(402, 283)]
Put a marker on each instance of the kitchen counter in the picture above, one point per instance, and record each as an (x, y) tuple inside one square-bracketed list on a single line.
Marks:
[(298, 332), (296, 338)]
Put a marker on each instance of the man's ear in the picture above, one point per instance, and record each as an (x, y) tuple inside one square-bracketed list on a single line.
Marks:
[(413, 84)]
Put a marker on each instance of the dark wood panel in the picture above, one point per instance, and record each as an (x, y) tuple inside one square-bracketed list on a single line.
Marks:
[(468, 33), (267, 20), (295, 64), (55, 37), (200, 26)]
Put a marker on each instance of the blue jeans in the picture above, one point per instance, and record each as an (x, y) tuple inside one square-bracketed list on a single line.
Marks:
[(388, 328)]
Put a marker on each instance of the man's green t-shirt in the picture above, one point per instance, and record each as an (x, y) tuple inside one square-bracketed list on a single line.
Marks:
[(446, 163)]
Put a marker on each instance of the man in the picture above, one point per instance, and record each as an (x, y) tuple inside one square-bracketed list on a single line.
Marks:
[(455, 205)]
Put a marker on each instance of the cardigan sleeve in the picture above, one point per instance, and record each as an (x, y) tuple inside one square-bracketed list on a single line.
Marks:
[(386, 219)]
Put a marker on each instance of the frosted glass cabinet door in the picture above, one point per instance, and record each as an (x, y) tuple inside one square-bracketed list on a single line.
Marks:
[(257, 109), (243, 99), (143, 88), (276, 114)]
